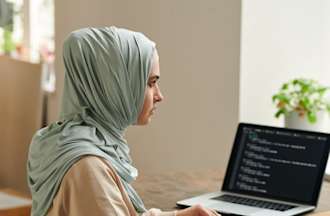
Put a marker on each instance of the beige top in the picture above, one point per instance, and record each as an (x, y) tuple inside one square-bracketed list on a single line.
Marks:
[(92, 187)]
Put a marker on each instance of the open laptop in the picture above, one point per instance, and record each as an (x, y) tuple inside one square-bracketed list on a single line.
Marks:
[(271, 171)]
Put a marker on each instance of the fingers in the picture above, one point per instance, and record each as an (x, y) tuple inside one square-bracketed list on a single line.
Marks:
[(212, 212), (215, 213), (202, 211)]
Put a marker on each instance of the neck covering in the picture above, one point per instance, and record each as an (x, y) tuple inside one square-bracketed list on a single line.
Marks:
[(106, 72)]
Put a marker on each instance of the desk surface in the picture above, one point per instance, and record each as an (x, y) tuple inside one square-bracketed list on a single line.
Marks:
[(20, 210), (163, 190)]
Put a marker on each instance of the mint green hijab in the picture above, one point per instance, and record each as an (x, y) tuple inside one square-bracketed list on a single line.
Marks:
[(106, 76)]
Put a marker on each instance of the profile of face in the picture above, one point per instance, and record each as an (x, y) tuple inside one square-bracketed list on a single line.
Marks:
[(152, 94)]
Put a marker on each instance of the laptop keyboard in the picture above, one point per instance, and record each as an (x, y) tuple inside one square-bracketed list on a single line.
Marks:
[(254, 202)]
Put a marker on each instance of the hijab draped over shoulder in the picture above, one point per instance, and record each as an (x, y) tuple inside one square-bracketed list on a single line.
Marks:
[(106, 72)]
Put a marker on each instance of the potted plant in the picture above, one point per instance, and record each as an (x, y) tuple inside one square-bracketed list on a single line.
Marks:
[(304, 104)]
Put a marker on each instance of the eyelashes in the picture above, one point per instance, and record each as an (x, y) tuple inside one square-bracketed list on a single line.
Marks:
[(152, 83)]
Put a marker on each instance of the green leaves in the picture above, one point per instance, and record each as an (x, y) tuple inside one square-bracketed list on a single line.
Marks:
[(281, 97), (311, 116), (279, 113), (304, 96), (8, 44)]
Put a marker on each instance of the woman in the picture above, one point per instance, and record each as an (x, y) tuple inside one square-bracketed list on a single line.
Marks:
[(81, 165)]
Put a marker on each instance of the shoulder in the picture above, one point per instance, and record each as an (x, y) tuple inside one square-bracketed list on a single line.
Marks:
[(91, 166), (90, 162), (90, 187)]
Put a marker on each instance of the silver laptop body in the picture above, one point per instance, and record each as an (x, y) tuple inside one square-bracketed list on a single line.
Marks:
[(271, 172)]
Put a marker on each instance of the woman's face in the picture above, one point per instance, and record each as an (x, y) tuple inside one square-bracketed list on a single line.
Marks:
[(152, 93)]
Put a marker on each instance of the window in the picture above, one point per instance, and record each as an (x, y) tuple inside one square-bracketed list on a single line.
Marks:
[(27, 29)]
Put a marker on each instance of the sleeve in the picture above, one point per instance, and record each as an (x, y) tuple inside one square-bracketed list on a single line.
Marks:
[(90, 188)]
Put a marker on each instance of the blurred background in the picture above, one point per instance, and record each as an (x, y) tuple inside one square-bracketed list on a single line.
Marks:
[(221, 61)]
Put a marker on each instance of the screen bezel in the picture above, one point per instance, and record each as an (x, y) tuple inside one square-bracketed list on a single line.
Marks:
[(317, 188)]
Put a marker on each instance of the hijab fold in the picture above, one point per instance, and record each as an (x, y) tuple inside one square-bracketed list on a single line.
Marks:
[(106, 72)]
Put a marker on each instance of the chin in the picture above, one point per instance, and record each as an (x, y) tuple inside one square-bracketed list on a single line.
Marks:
[(144, 121), (147, 121)]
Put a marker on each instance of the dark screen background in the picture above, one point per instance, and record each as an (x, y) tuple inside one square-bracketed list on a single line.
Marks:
[(277, 163)]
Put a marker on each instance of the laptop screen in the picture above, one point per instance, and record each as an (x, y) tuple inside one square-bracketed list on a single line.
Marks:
[(277, 163)]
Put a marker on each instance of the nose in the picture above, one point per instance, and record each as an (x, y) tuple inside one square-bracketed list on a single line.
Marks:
[(158, 97)]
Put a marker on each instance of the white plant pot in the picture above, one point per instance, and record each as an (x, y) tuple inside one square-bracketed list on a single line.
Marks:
[(296, 122)]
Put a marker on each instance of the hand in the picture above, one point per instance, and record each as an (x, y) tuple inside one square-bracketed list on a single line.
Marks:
[(197, 210)]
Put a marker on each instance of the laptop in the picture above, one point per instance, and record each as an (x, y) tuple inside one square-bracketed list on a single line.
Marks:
[(271, 171)]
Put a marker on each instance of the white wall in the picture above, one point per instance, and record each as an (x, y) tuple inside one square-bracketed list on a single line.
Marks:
[(280, 40), (326, 40), (199, 47)]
